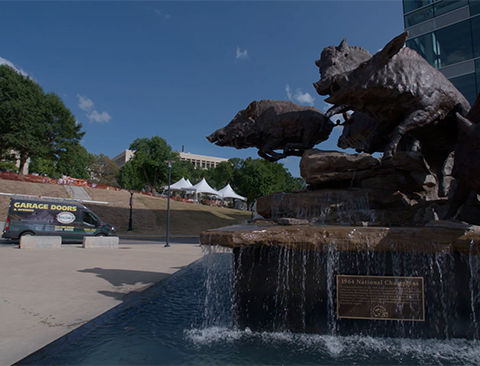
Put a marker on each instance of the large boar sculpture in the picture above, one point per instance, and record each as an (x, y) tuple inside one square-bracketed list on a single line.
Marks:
[(398, 88), (466, 168), (357, 126), (271, 125)]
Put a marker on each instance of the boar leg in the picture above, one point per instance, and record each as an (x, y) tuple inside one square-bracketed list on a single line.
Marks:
[(368, 145), (296, 148), (437, 160), (337, 109), (268, 154), (414, 120), (459, 198)]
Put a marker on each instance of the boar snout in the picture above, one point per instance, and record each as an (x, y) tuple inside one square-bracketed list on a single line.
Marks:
[(217, 136), (212, 138)]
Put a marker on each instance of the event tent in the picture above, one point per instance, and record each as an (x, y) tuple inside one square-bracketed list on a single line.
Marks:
[(181, 185), (228, 192), (203, 187)]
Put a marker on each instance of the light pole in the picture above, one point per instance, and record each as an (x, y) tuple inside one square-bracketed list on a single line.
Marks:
[(167, 244), (131, 205)]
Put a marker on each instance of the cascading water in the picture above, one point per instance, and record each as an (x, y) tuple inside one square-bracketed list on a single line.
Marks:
[(190, 319)]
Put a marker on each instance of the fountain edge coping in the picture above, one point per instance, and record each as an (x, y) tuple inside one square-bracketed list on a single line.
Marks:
[(430, 239)]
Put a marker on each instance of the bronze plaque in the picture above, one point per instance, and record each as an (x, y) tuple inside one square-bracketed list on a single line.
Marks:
[(380, 298)]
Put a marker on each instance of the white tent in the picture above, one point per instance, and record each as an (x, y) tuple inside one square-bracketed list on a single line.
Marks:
[(203, 187), (228, 192), (181, 185)]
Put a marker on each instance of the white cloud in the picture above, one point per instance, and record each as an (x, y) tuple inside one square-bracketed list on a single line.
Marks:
[(92, 114), (84, 103), (97, 117), (4, 61), (161, 14), (298, 96), (241, 55)]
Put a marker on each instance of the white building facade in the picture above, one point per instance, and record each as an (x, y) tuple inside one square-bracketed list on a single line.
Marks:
[(198, 161)]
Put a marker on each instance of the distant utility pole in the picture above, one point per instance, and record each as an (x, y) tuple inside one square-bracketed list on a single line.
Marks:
[(167, 240)]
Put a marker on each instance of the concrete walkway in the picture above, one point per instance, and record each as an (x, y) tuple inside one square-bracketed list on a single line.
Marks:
[(77, 193), (46, 293)]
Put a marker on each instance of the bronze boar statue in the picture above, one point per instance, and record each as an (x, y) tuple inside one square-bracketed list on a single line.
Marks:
[(357, 126), (271, 125), (466, 168), (398, 88)]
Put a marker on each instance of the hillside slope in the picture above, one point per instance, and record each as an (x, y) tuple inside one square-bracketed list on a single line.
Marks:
[(149, 213)]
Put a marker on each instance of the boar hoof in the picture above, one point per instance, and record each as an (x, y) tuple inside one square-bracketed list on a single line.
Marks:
[(387, 156)]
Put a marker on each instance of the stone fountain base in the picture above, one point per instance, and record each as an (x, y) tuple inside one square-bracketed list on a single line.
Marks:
[(359, 189), (389, 282)]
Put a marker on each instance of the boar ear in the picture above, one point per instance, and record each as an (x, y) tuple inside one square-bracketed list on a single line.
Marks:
[(343, 46), (393, 47), (251, 109), (464, 124)]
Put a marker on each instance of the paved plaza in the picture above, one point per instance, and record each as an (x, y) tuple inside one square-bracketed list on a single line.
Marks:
[(46, 293)]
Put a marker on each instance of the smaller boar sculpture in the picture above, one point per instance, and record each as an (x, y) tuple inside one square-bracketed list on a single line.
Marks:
[(398, 87), (466, 168), (275, 125), (357, 127)]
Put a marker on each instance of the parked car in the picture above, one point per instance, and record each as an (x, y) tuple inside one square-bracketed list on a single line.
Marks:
[(37, 216)]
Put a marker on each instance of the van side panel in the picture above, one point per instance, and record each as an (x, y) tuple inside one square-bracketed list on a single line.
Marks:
[(52, 218)]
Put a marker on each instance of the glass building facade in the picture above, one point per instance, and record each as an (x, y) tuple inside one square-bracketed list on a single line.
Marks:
[(447, 34)]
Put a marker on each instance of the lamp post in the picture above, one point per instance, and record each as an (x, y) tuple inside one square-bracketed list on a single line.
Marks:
[(131, 205), (167, 239)]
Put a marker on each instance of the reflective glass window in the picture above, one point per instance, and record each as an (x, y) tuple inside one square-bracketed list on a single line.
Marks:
[(445, 6), (476, 35), (418, 17), (474, 7), (466, 85), (425, 46), (411, 5), (454, 43)]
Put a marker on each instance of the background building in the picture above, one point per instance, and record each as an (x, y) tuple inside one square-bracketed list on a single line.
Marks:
[(447, 34), (201, 161), (198, 161), (122, 158)]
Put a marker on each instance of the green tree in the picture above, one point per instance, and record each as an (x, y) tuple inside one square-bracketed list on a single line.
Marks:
[(221, 175), (129, 177), (184, 169), (21, 117), (148, 162), (103, 170), (32, 123), (43, 166), (293, 183), (254, 178), (75, 162)]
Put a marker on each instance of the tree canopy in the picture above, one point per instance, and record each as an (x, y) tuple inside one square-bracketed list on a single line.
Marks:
[(33, 123), (148, 166), (251, 178), (254, 178)]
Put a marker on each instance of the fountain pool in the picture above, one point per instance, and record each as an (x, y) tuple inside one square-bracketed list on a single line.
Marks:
[(187, 320)]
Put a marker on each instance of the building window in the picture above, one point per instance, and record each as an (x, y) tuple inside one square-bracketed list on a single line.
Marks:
[(426, 47), (476, 36), (474, 7), (418, 17), (466, 85), (411, 5), (454, 43), (446, 6)]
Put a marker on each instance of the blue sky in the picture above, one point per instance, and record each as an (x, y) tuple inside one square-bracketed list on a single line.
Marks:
[(182, 69)]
